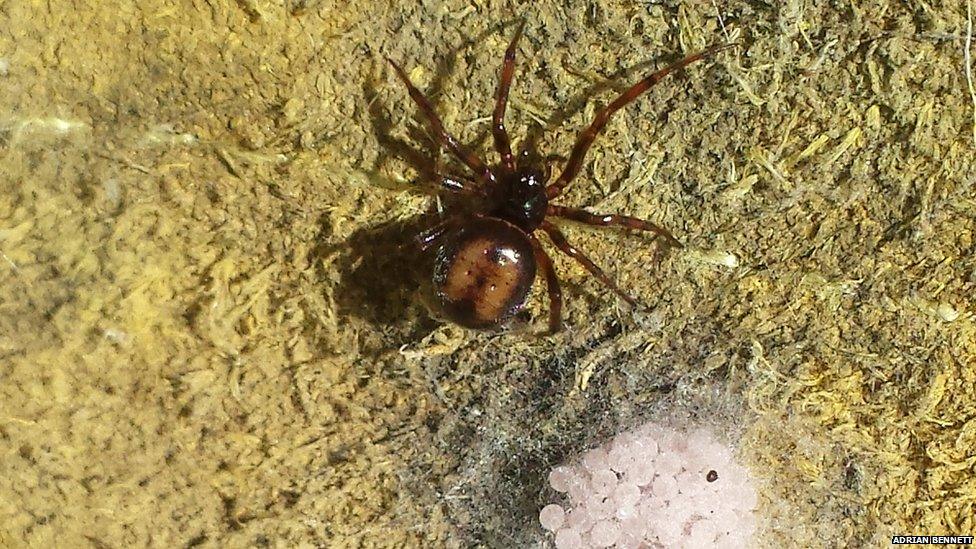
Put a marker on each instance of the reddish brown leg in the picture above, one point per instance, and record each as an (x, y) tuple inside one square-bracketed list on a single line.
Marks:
[(470, 159), (604, 220), (460, 184), (585, 139), (564, 246), (430, 236), (502, 142), (552, 285)]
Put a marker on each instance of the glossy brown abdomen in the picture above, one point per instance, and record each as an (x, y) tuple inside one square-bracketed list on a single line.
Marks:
[(483, 273)]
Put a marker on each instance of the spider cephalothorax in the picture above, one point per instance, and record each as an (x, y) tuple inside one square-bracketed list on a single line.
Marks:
[(485, 263), (521, 198)]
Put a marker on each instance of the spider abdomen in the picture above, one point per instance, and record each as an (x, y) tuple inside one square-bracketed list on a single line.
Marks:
[(483, 272)]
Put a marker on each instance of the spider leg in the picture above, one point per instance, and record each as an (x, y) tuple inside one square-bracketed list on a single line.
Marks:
[(564, 246), (460, 184), (502, 143), (470, 159), (604, 220), (587, 136), (428, 237), (552, 285)]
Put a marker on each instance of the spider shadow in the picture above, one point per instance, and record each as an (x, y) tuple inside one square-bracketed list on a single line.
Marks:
[(619, 81), (379, 269)]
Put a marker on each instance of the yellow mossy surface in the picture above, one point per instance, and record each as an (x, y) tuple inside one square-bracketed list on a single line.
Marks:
[(207, 335)]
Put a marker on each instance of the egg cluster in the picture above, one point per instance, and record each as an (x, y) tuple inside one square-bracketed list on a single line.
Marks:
[(653, 487)]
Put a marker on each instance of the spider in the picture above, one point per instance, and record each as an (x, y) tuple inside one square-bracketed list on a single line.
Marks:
[(485, 262)]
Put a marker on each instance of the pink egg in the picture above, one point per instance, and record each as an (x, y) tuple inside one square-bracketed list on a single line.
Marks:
[(595, 460), (604, 533), (561, 478), (603, 481), (568, 539), (551, 517)]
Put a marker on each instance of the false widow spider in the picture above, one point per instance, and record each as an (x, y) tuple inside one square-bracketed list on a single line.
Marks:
[(485, 263)]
